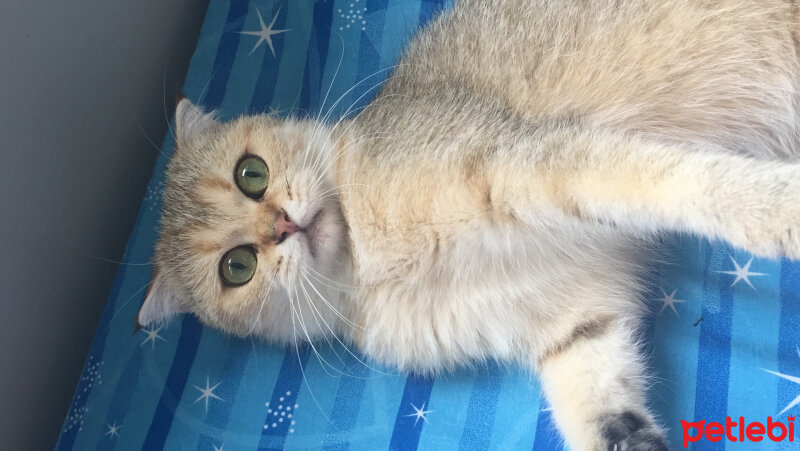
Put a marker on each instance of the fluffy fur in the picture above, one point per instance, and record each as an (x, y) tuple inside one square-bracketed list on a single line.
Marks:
[(494, 200)]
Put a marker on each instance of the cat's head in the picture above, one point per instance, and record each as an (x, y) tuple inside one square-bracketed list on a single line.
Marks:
[(251, 229)]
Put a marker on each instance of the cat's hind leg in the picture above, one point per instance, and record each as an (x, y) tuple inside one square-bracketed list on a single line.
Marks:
[(594, 380)]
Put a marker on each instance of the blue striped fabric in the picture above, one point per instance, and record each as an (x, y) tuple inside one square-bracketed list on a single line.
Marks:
[(727, 346)]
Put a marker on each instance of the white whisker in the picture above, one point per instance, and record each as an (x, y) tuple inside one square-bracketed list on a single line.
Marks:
[(337, 338), (300, 363)]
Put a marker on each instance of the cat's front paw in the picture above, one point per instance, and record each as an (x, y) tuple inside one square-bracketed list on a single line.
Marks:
[(630, 431)]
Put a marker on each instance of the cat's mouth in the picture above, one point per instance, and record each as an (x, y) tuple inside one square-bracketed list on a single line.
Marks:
[(312, 233)]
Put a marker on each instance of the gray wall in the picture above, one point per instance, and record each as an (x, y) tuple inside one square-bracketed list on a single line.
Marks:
[(75, 77)]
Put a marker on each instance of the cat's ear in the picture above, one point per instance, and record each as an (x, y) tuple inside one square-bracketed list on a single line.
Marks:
[(191, 121), (160, 303)]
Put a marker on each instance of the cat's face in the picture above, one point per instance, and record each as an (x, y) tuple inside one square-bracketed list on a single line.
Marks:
[(251, 227)]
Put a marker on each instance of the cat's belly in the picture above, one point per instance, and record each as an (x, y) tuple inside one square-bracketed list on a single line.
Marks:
[(503, 294)]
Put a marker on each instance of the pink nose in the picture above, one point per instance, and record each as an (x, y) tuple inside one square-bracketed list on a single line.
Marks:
[(284, 227)]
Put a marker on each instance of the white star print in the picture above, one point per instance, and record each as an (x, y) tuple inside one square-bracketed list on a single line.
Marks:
[(742, 272), (152, 335), (207, 392), (265, 33), (419, 413), (113, 430), (220, 447), (794, 379), (670, 301)]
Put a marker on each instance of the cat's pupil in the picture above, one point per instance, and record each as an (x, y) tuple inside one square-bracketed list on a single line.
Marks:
[(254, 174), (239, 266)]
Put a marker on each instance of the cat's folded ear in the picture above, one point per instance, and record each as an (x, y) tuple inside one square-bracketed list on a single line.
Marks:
[(191, 122), (160, 303)]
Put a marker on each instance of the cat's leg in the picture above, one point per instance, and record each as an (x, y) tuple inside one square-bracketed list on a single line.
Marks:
[(594, 380), (642, 187)]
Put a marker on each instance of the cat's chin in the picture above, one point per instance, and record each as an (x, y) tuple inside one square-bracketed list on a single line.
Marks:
[(319, 237), (313, 234)]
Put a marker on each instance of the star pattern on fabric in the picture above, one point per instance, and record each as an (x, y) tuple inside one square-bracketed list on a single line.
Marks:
[(265, 33), (352, 14), (153, 195), (91, 375), (220, 447), (742, 272), (152, 336), (113, 430), (670, 301), (419, 413), (281, 415), (789, 378), (207, 392)]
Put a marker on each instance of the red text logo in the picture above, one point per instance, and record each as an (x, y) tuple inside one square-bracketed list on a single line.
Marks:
[(738, 431)]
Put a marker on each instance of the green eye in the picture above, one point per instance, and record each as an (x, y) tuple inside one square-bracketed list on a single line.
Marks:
[(252, 176), (238, 265)]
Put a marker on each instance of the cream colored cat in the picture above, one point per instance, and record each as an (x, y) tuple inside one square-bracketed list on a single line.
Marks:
[(495, 199)]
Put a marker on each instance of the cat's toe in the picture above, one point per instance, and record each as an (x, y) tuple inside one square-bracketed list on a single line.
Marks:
[(630, 431), (650, 439)]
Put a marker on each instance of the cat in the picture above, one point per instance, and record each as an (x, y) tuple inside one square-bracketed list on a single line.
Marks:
[(499, 197)]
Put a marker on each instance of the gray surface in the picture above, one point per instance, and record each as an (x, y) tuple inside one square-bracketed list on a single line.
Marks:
[(75, 77)]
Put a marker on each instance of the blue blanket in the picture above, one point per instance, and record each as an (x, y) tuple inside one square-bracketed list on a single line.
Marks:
[(723, 339)]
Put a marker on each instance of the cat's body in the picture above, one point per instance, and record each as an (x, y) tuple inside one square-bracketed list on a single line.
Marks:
[(492, 200), (721, 72)]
